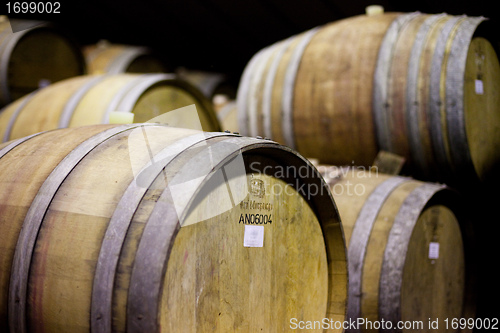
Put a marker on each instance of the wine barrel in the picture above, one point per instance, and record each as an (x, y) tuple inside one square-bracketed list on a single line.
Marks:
[(149, 228), (35, 56), (105, 57), (91, 99), (422, 86), (409, 250)]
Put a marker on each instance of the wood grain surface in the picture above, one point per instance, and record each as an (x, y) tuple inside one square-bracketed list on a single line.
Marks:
[(88, 100), (104, 247), (390, 223), (406, 83)]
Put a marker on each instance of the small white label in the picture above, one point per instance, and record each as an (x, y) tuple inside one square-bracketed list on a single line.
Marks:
[(479, 87), (433, 250), (254, 236)]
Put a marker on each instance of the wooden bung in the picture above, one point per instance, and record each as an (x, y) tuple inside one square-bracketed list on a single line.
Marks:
[(409, 249), (35, 56), (93, 99), (149, 228), (422, 86)]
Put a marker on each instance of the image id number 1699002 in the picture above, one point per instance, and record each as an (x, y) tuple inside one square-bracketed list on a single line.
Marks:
[(471, 323), (33, 7)]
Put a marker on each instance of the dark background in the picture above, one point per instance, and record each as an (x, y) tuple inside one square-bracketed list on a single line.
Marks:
[(222, 36)]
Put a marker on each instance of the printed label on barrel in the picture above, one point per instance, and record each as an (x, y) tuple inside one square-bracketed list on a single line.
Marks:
[(479, 87), (434, 250), (256, 208)]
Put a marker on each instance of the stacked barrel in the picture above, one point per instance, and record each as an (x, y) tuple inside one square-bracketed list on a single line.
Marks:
[(422, 89), (125, 208), (410, 248), (421, 86), (52, 89)]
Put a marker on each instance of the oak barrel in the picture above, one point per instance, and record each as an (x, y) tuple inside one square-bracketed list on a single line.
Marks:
[(149, 228), (410, 249), (37, 54), (91, 99), (423, 86), (105, 57)]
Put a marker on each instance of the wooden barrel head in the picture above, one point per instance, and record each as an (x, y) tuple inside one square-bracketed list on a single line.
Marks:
[(37, 57), (434, 271), (409, 250), (26, 70), (482, 106), (228, 286)]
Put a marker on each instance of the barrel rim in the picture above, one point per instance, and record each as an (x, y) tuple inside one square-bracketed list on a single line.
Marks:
[(361, 233), (454, 90), (412, 95), (453, 199), (391, 275)]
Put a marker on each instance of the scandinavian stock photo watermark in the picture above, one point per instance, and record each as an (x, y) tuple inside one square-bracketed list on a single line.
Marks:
[(410, 325)]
